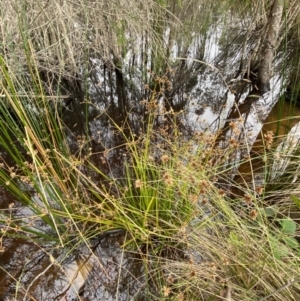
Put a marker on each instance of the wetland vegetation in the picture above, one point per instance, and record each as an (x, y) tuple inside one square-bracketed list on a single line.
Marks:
[(149, 150)]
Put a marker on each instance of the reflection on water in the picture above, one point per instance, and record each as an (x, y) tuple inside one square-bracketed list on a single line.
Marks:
[(107, 273), (113, 273)]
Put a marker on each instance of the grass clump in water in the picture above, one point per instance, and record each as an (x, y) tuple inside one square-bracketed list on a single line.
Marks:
[(195, 239)]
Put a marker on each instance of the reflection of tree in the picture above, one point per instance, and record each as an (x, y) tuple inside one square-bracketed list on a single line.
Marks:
[(252, 81), (268, 139), (264, 71)]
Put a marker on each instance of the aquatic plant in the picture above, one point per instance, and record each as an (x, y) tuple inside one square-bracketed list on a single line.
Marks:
[(174, 193)]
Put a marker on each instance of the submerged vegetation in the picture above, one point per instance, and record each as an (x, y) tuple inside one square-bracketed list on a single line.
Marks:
[(209, 212)]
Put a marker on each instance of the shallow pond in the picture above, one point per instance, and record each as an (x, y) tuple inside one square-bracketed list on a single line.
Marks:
[(103, 270)]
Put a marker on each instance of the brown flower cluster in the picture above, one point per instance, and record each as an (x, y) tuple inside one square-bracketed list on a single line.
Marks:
[(167, 178), (269, 137)]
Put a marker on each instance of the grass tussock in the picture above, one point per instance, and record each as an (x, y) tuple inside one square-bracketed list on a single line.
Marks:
[(195, 238), (174, 194), (81, 30)]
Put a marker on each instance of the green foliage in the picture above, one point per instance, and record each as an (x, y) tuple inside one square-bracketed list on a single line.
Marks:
[(295, 200), (288, 226)]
